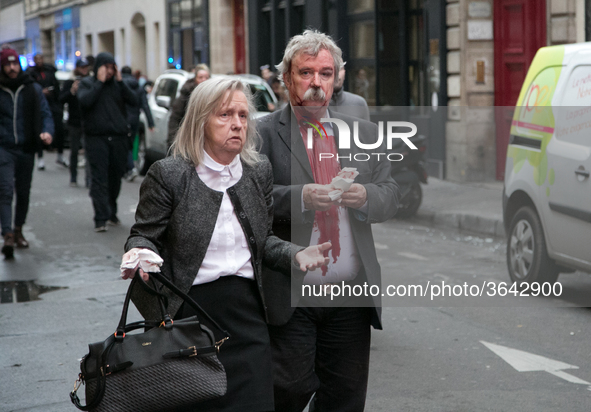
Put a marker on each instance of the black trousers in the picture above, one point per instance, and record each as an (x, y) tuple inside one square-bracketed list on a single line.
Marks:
[(76, 136), (107, 156), (322, 352), (16, 174)]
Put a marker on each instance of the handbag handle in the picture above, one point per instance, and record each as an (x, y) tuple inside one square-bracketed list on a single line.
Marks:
[(120, 333)]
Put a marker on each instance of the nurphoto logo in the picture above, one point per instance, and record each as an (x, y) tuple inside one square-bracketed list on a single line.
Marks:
[(345, 138)]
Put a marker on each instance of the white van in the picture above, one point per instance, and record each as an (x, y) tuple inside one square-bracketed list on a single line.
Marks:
[(547, 191)]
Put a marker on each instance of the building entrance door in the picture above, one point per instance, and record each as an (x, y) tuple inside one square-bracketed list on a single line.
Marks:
[(519, 31)]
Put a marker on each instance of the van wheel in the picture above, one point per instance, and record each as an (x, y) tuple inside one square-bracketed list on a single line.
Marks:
[(527, 258)]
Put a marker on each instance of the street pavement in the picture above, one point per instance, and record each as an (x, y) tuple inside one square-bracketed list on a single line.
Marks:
[(471, 207), (431, 356)]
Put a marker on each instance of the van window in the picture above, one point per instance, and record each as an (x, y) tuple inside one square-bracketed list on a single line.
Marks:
[(167, 87), (573, 117)]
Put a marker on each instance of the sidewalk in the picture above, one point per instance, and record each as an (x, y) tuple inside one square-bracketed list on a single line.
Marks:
[(474, 207)]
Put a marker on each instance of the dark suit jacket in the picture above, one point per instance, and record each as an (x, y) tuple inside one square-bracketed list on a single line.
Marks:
[(283, 145), (176, 216)]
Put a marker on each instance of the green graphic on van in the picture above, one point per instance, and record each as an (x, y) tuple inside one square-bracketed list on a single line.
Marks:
[(533, 117)]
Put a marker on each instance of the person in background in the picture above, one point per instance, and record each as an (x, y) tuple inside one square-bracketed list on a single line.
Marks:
[(266, 72), (133, 117), (279, 91), (69, 95), (90, 60), (148, 86), (348, 103), (25, 124), (102, 99), (207, 211), (44, 74), (179, 105)]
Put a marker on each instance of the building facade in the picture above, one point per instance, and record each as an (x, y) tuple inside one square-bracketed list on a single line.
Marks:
[(134, 31), (395, 53), (490, 47), (12, 29)]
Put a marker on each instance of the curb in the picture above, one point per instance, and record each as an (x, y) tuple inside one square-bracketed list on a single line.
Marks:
[(488, 226)]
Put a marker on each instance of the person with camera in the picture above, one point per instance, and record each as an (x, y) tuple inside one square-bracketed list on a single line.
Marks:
[(102, 99), (69, 95)]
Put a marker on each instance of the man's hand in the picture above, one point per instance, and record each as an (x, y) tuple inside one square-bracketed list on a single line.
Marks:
[(74, 88), (46, 138), (316, 197), (101, 74), (46, 91), (312, 257), (355, 197)]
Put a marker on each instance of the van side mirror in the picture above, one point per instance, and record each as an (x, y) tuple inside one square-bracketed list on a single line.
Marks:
[(163, 101)]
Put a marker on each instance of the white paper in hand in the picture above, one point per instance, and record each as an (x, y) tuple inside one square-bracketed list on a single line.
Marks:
[(342, 182), (147, 260)]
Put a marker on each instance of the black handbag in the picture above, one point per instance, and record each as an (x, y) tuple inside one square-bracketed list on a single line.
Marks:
[(173, 365)]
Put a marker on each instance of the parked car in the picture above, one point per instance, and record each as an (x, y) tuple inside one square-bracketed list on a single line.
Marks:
[(547, 191), (153, 145)]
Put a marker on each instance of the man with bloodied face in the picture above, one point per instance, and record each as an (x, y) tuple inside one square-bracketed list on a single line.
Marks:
[(321, 348)]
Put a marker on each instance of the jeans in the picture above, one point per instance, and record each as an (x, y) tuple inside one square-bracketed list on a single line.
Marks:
[(107, 156), (322, 351), (16, 174)]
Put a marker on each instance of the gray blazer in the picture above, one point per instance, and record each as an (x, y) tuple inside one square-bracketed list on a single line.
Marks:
[(176, 216), (284, 146)]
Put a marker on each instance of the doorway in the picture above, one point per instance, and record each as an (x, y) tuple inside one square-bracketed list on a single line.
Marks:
[(519, 31)]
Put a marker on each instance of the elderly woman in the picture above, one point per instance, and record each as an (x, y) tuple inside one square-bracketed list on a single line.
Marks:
[(207, 211)]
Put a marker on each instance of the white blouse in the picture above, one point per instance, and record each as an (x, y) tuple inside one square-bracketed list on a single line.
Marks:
[(227, 253)]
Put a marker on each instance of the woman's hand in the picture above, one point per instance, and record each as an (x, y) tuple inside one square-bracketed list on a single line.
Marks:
[(128, 272), (312, 257)]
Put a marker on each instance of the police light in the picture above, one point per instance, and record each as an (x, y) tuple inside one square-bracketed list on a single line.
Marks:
[(178, 66), (170, 60), (23, 61)]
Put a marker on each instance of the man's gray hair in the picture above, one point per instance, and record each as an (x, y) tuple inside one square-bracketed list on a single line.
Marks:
[(310, 42), (207, 98)]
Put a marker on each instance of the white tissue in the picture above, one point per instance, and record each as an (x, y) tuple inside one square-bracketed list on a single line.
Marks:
[(342, 182), (147, 260)]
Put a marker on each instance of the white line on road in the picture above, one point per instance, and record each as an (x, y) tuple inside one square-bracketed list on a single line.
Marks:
[(412, 256), (523, 361)]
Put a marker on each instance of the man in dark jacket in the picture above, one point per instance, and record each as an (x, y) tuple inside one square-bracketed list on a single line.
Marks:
[(348, 103), (69, 95), (25, 123), (44, 74), (102, 99), (133, 116)]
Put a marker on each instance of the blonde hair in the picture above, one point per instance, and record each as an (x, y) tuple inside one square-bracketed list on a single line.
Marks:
[(207, 98), (201, 66)]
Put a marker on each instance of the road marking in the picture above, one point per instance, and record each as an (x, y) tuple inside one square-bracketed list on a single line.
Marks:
[(528, 362), (412, 256)]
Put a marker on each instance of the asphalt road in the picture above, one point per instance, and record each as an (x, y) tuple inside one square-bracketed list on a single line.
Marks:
[(429, 357)]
